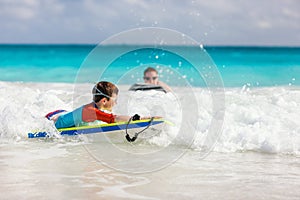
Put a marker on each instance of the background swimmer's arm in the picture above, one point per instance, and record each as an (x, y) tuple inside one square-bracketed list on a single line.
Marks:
[(165, 86)]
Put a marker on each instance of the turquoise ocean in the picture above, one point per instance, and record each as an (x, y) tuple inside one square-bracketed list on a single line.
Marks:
[(255, 154), (255, 66)]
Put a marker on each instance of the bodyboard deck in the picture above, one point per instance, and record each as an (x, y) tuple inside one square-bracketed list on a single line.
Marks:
[(98, 128), (145, 87)]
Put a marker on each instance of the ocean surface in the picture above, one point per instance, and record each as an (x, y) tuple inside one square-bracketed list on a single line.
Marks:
[(235, 131), (238, 66)]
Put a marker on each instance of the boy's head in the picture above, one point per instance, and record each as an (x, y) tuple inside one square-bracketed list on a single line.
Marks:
[(104, 91), (151, 76)]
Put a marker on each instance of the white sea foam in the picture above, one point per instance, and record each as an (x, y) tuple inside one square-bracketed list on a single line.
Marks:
[(256, 119)]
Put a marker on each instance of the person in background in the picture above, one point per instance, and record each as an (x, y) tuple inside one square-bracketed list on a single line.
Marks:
[(151, 77)]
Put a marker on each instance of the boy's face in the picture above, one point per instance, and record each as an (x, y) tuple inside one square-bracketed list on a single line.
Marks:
[(108, 105), (151, 78)]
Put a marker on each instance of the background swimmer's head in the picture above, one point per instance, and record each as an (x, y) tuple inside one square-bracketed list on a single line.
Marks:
[(151, 76)]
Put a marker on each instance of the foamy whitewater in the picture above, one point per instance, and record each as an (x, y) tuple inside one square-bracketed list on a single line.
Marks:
[(256, 155)]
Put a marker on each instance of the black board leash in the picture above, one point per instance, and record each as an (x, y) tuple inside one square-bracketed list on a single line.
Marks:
[(136, 117)]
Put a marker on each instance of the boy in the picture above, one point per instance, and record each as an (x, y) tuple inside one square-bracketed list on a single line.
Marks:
[(104, 98)]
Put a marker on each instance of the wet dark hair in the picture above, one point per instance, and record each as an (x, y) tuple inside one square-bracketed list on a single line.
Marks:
[(107, 88), (150, 69)]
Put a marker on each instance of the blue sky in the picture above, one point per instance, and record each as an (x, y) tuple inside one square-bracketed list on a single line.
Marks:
[(211, 22)]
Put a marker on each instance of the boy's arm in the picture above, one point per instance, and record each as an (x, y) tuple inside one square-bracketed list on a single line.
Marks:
[(123, 118)]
